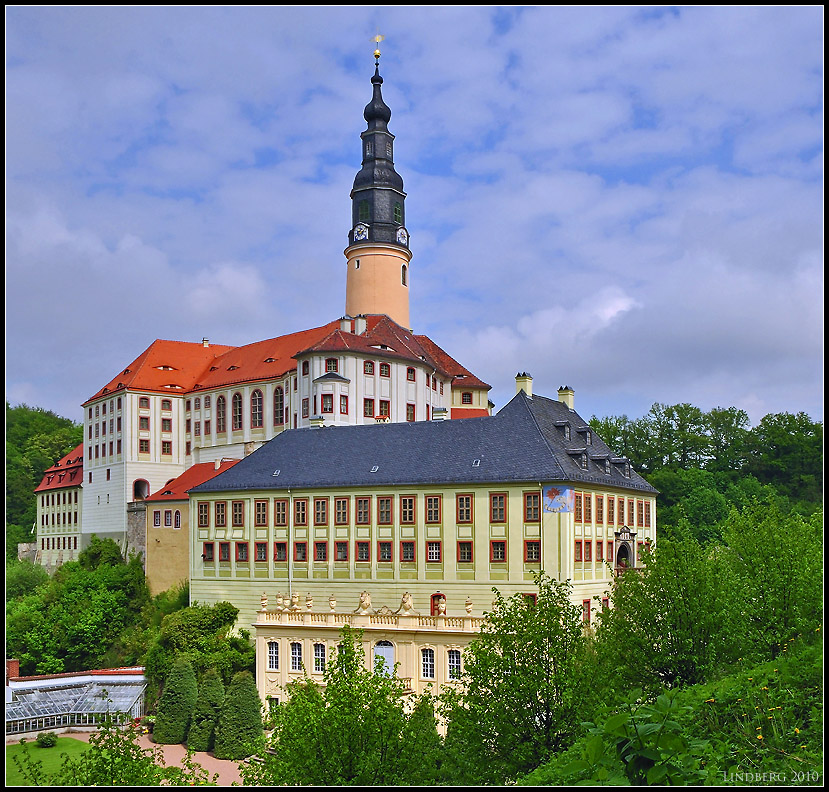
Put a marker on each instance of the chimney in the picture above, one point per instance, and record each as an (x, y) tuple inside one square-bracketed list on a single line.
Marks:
[(566, 395), (217, 464), (439, 413), (345, 324), (12, 669), (524, 382), (205, 342), (360, 324)]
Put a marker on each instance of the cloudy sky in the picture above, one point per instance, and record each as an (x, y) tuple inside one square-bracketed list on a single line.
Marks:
[(624, 200)]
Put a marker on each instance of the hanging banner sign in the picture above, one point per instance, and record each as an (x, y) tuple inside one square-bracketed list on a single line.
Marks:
[(559, 499)]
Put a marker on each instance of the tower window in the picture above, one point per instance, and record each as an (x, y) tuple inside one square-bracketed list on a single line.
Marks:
[(363, 211), (403, 275), (398, 213)]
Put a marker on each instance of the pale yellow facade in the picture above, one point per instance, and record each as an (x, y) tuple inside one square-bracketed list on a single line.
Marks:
[(167, 562), (378, 282)]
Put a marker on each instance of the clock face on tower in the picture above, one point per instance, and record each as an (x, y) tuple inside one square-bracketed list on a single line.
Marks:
[(402, 236), (360, 232)]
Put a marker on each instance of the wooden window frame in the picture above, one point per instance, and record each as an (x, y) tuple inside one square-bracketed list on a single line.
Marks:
[(260, 513), (368, 367), (388, 500), (505, 508), (532, 510), (340, 545), (460, 511), (237, 514), (257, 409), (203, 514), (578, 508), (427, 508), (382, 543), (430, 544), (320, 552), (224, 552), (360, 502), (403, 552), (320, 511), (260, 548), (534, 543), (300, 511), (385, 370), (471, 559), (276, 553), (587, 549), (304, 545), (208, 553), (404, 509), (578, 557), (360, 545), (337, 510), (492, 558), (242, 549), (280, 511)]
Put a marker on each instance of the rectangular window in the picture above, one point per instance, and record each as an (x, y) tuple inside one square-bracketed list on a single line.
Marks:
[(301, 511), (465, 552), (384, 552), (341, 551), (143, 423), (640, 514), (599, 551), (280, 551), (363, 511), (368, 408), (647, 514), (433, 509), (242, 551), (260, 511), (384, 510), (207, 552), (385, 408), (410, 412), (532, 507), (611, 510), (261, 549), (498, 551), (237, 514), (588, 507), (343, 405), (305, 408), (532, 551), (363, 551), (498, 508), (577, 551), (320, 551), (605, 603), (610, 552), (320, 511), (166, 425), (463, 508), (296, 656), (579, 514), (631, 515), (427, 667), (385, 370), (433, 552), (166, 447), (600, 509), (280, 512), (407, 509), (328, 402), (341, 511), (207, 427), (300, 551), (407, 552), (157, 519), (224, 551), (585, 611), (453, 657), (143, 447), (588, 549), (273, 656), (319, 658), (204, 514), (168, 518)]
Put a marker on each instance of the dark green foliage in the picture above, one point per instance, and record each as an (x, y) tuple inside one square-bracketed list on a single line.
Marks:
[(35, 440), (354, 731), (529, 681), (47, 739), (100, 552), (203, 633), (178, 702), (23, 578), (239, 726), (201, 736), (674, 622)]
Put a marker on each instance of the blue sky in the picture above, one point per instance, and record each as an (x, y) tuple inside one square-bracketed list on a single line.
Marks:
[(625, 200)]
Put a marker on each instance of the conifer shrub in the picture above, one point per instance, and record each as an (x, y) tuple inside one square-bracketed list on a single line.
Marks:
[(178, 702), (201, 736), (240, 718)]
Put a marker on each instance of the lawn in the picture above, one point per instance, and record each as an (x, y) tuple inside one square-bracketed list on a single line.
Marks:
[(52, 758)]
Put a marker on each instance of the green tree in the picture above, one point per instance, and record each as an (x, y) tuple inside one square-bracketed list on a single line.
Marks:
[(727, 430), (778, 560), (673, 622), (23, 578), (528, 682), (201, 736), (177, 704), (239, 726)]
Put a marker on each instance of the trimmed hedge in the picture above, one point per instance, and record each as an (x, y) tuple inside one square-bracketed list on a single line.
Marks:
[(178, 701), (240, 719), (202, 734)]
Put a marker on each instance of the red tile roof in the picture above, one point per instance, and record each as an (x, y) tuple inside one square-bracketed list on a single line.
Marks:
[(176, 490), (469, 412), (66, 472)]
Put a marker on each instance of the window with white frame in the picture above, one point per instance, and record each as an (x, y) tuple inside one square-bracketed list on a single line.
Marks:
[(273, 656), (296, 656), (319, 658), (454, 660), (427, 666)]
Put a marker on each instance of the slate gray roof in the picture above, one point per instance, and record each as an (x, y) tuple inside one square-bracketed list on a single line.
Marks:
[(524, 442)]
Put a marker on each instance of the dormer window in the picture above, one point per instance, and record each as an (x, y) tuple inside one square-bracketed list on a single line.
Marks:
[(583, 461), (566, 431), (466, 397), (305, 367), (165, 368)]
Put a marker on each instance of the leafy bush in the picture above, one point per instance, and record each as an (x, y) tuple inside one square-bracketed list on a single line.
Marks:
[(47, 739), (178, 701), (201, 736), (240, 719)]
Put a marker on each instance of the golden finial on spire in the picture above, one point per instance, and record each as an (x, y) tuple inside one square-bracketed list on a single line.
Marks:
[(377, 39)]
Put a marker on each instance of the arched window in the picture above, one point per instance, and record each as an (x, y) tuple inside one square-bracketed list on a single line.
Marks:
[(278, 407), (256, 409), (177, 520), (221, 415), (368, 367), (403, 274), (383, 657), (427, 670), (236, 412)]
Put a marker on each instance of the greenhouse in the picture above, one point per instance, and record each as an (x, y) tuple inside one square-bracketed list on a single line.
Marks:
[(34, 704)]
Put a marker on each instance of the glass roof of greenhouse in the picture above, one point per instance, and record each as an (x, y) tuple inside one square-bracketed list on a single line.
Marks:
[(88, 697)]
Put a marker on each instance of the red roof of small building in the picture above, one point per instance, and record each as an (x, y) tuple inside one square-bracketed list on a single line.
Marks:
[(66, 472), (469, 412), (176, 490)]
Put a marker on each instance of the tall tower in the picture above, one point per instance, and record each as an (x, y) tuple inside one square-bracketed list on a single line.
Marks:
[(378, 250)]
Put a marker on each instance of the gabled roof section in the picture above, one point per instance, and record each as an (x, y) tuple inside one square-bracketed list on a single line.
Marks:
[(262, 360), (164, 367), (176, 490), (66, 472), (516, 445), (461, 377)]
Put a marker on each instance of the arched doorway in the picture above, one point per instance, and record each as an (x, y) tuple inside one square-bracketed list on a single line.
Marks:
[(437, 599), (140, 489)]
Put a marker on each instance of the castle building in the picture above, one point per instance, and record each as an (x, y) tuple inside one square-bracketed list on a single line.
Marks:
[(181, 404), (59, 499)]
